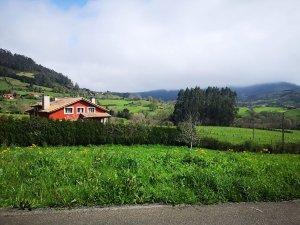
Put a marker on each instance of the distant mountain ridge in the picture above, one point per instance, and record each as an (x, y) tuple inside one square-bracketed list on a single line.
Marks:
[(279, 93), (264, 90)]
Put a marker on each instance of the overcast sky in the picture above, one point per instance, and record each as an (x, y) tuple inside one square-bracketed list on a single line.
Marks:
[(160, 44)]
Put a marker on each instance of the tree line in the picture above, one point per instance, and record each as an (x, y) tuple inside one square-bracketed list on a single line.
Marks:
[(211, 106)]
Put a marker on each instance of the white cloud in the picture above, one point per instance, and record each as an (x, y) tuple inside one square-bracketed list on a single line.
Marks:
[(143, 45)]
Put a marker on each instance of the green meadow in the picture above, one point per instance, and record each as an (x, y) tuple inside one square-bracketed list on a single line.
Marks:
[(135, 105), (243, 111), (36, 177), (289, 113), (237, 135)]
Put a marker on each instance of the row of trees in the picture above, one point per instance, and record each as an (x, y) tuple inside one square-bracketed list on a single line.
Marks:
[(211, 106)]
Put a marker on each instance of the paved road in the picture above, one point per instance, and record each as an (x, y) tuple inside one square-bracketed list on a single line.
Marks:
[(231, 214)]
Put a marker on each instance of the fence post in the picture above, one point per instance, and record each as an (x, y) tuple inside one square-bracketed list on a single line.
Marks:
[(282, 132)]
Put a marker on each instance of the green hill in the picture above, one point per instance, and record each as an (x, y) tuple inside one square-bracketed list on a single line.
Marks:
[(26, 70)]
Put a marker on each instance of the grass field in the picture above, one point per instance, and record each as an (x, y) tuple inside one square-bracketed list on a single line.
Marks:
[(243, 111), (289, 113), (4, 85), (25, 74), (293, 113), (134, 106), (113, 175), (239, 135)]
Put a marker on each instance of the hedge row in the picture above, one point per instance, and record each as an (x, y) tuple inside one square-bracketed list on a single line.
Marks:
[(43, 132), (249, 146), (40, 131)]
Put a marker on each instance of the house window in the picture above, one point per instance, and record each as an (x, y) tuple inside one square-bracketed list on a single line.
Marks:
[(91, 109), (69, 110), (80, 110)]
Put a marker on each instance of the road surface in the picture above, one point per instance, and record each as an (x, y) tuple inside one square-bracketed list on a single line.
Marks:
[(232, 214)]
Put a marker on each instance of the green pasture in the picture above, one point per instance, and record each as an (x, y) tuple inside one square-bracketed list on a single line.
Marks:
[(25, 74), (115, 175), (134, 106), (237, 135), (243, 111), (289, 113)]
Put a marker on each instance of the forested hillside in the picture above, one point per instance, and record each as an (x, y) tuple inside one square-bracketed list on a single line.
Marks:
[(26, 70), (275, 94)]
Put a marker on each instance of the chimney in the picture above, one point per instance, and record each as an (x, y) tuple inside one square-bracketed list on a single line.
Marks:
[(46, 102), (93, 100)]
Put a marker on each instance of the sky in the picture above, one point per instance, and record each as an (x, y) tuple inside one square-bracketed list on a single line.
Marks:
[(140, 45)]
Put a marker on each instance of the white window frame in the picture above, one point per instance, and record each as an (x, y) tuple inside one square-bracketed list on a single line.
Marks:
[(69, 108), (91, 108), (80, 108)]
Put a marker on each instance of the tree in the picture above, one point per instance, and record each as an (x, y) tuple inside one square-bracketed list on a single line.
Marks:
[(212, 106), (76, 87), (188, 133), (124, 114)]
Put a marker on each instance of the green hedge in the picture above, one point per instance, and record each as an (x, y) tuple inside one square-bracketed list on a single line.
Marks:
[(39, 131)]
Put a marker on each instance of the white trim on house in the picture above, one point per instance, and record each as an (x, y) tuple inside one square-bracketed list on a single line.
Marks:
[(83, 110), (91, 111), (67, 112)]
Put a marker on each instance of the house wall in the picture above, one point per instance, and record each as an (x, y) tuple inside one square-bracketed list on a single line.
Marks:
[(60, 114)]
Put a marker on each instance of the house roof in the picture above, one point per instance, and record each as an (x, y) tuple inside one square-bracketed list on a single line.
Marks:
[(63, 102), (95, 115)]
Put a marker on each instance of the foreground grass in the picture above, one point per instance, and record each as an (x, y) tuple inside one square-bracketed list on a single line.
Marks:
[(237, 135), (105, 175)]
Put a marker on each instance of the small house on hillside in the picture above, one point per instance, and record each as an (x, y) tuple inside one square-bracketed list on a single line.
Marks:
[(8, 96), (69, 109)]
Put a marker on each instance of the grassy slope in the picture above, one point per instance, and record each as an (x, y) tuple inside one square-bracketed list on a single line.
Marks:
[(134, 106), (4, 85), (293, 113), (120, 104), (290, 113), (25, 74), (243, 111), (239, 135), (106, 175)]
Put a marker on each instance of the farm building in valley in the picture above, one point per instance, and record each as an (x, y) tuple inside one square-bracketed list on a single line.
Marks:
[(69, 109), (8, 96)]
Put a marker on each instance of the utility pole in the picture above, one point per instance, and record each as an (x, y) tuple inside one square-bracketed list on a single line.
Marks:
[(252, 120), (253, 127), (282, 132)]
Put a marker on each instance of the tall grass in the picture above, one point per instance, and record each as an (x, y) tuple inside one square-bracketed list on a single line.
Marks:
[(113, 175)]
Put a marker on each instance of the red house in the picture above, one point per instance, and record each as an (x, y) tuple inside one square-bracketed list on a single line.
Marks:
[(69, 109)]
